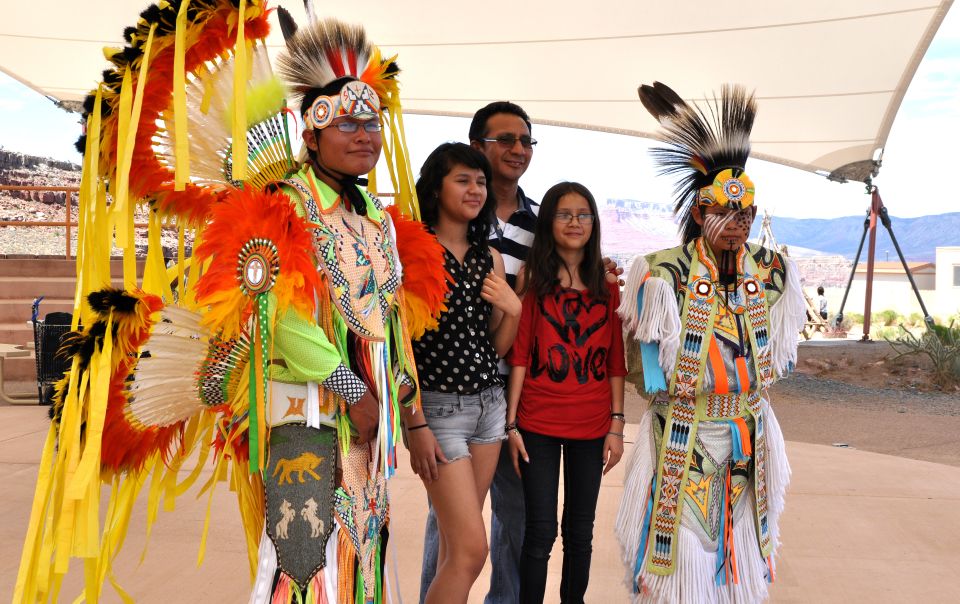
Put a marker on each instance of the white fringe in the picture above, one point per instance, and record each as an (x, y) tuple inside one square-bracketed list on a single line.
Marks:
[(787, 317), (778, 473), (331, 570), (659, 321), (628, 310), (693, 580), (266, 569)]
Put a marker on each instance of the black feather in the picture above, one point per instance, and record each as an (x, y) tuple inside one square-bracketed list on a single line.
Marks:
[(71, 343), (82, 344), (658, 106), (105, 300), (129, 33), (88, 102), (130, 53), (287, 25), (668, 94), (81, 144), (151, 14), (111, 77), (167, 19)]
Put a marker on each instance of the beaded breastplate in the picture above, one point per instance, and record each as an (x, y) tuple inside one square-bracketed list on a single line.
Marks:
[(357, 257)]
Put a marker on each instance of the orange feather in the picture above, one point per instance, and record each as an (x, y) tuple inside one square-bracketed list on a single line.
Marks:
[(242, 216), (425, 279)]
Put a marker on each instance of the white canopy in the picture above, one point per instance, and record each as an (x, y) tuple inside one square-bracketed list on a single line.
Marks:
[(829, 74)]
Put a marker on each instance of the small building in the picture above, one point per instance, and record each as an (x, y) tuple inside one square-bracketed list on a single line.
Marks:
[(891, 274), (947, 284), (938, 282)]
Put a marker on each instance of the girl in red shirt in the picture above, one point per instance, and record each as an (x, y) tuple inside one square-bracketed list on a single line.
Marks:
[(565, 392)]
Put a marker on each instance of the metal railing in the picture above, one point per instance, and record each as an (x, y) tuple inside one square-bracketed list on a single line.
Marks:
[(67, 222)]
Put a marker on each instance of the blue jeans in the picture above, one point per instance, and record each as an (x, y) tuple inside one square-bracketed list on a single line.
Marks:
[(506, 537)]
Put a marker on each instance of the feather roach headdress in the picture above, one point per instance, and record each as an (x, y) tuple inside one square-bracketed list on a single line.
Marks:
[(326, 51), (333, 70), (707, 149)]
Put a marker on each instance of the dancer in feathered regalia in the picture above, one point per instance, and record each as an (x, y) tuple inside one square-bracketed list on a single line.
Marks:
[(282, 350), (717, 320)]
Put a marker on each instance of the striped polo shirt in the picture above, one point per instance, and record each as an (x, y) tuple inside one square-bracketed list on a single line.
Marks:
[(514, 237)]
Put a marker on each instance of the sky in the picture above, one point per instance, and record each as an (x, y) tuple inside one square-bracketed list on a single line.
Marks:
[(920, 151)]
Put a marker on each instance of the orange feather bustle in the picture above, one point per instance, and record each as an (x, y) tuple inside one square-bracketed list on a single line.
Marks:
[(245, 215), (127, 444), (425, 279)]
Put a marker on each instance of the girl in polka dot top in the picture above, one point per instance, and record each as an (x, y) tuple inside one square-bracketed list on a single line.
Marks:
[(455, 451)]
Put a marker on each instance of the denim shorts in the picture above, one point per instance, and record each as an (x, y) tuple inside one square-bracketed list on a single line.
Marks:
[(460, 420)]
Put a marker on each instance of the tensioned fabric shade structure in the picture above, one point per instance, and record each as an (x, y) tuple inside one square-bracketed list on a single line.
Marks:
[(829, 74)]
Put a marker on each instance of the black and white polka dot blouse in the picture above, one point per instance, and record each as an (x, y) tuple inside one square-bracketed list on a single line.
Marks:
[(459, 357)]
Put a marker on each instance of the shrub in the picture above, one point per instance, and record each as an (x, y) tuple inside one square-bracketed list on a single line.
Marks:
[(854, 317), (914, 320), (887, 318), (941, 344)]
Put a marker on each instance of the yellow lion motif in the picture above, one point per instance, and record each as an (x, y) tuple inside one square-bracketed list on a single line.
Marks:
[(305, 463)]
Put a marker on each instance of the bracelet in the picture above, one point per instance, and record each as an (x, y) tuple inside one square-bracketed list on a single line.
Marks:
[(620, 434), (619, 416), (510, 426), (412, 428)]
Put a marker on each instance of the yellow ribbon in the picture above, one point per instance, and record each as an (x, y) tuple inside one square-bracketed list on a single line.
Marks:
[(128, 122), (181, 150), (239, 147)]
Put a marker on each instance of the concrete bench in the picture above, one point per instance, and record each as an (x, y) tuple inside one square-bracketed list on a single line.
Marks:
[(12, 351)]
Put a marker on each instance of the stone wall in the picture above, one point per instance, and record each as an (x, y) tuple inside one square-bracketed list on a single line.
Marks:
[(17, 169)]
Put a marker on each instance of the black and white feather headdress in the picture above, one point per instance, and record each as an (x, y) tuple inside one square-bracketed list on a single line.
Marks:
[(702, 142)]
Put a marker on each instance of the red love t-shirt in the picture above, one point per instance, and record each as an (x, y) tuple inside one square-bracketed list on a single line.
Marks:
[(571, 345)]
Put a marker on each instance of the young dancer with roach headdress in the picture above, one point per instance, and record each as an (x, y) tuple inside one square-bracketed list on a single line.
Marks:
[(717, 321)]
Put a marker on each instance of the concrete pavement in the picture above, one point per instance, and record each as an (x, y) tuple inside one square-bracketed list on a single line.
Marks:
[(859, 527)]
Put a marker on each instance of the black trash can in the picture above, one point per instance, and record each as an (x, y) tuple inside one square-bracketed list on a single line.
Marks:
[(48, 334)]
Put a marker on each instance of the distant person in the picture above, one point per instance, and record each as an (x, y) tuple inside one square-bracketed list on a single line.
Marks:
[(568, 414), (822, 303)]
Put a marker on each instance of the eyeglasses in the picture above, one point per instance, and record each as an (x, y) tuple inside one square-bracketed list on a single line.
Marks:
[(509, 140), (582, 217), (351, 127)]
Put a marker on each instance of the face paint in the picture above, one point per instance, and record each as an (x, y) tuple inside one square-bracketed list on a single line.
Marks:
[(728, 230)]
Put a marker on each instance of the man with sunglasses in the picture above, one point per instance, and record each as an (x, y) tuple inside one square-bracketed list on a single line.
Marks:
[(502, 132)]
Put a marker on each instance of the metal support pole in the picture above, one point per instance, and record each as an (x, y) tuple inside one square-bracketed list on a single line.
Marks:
[(885, 220), (853, 270), (875, 205)]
